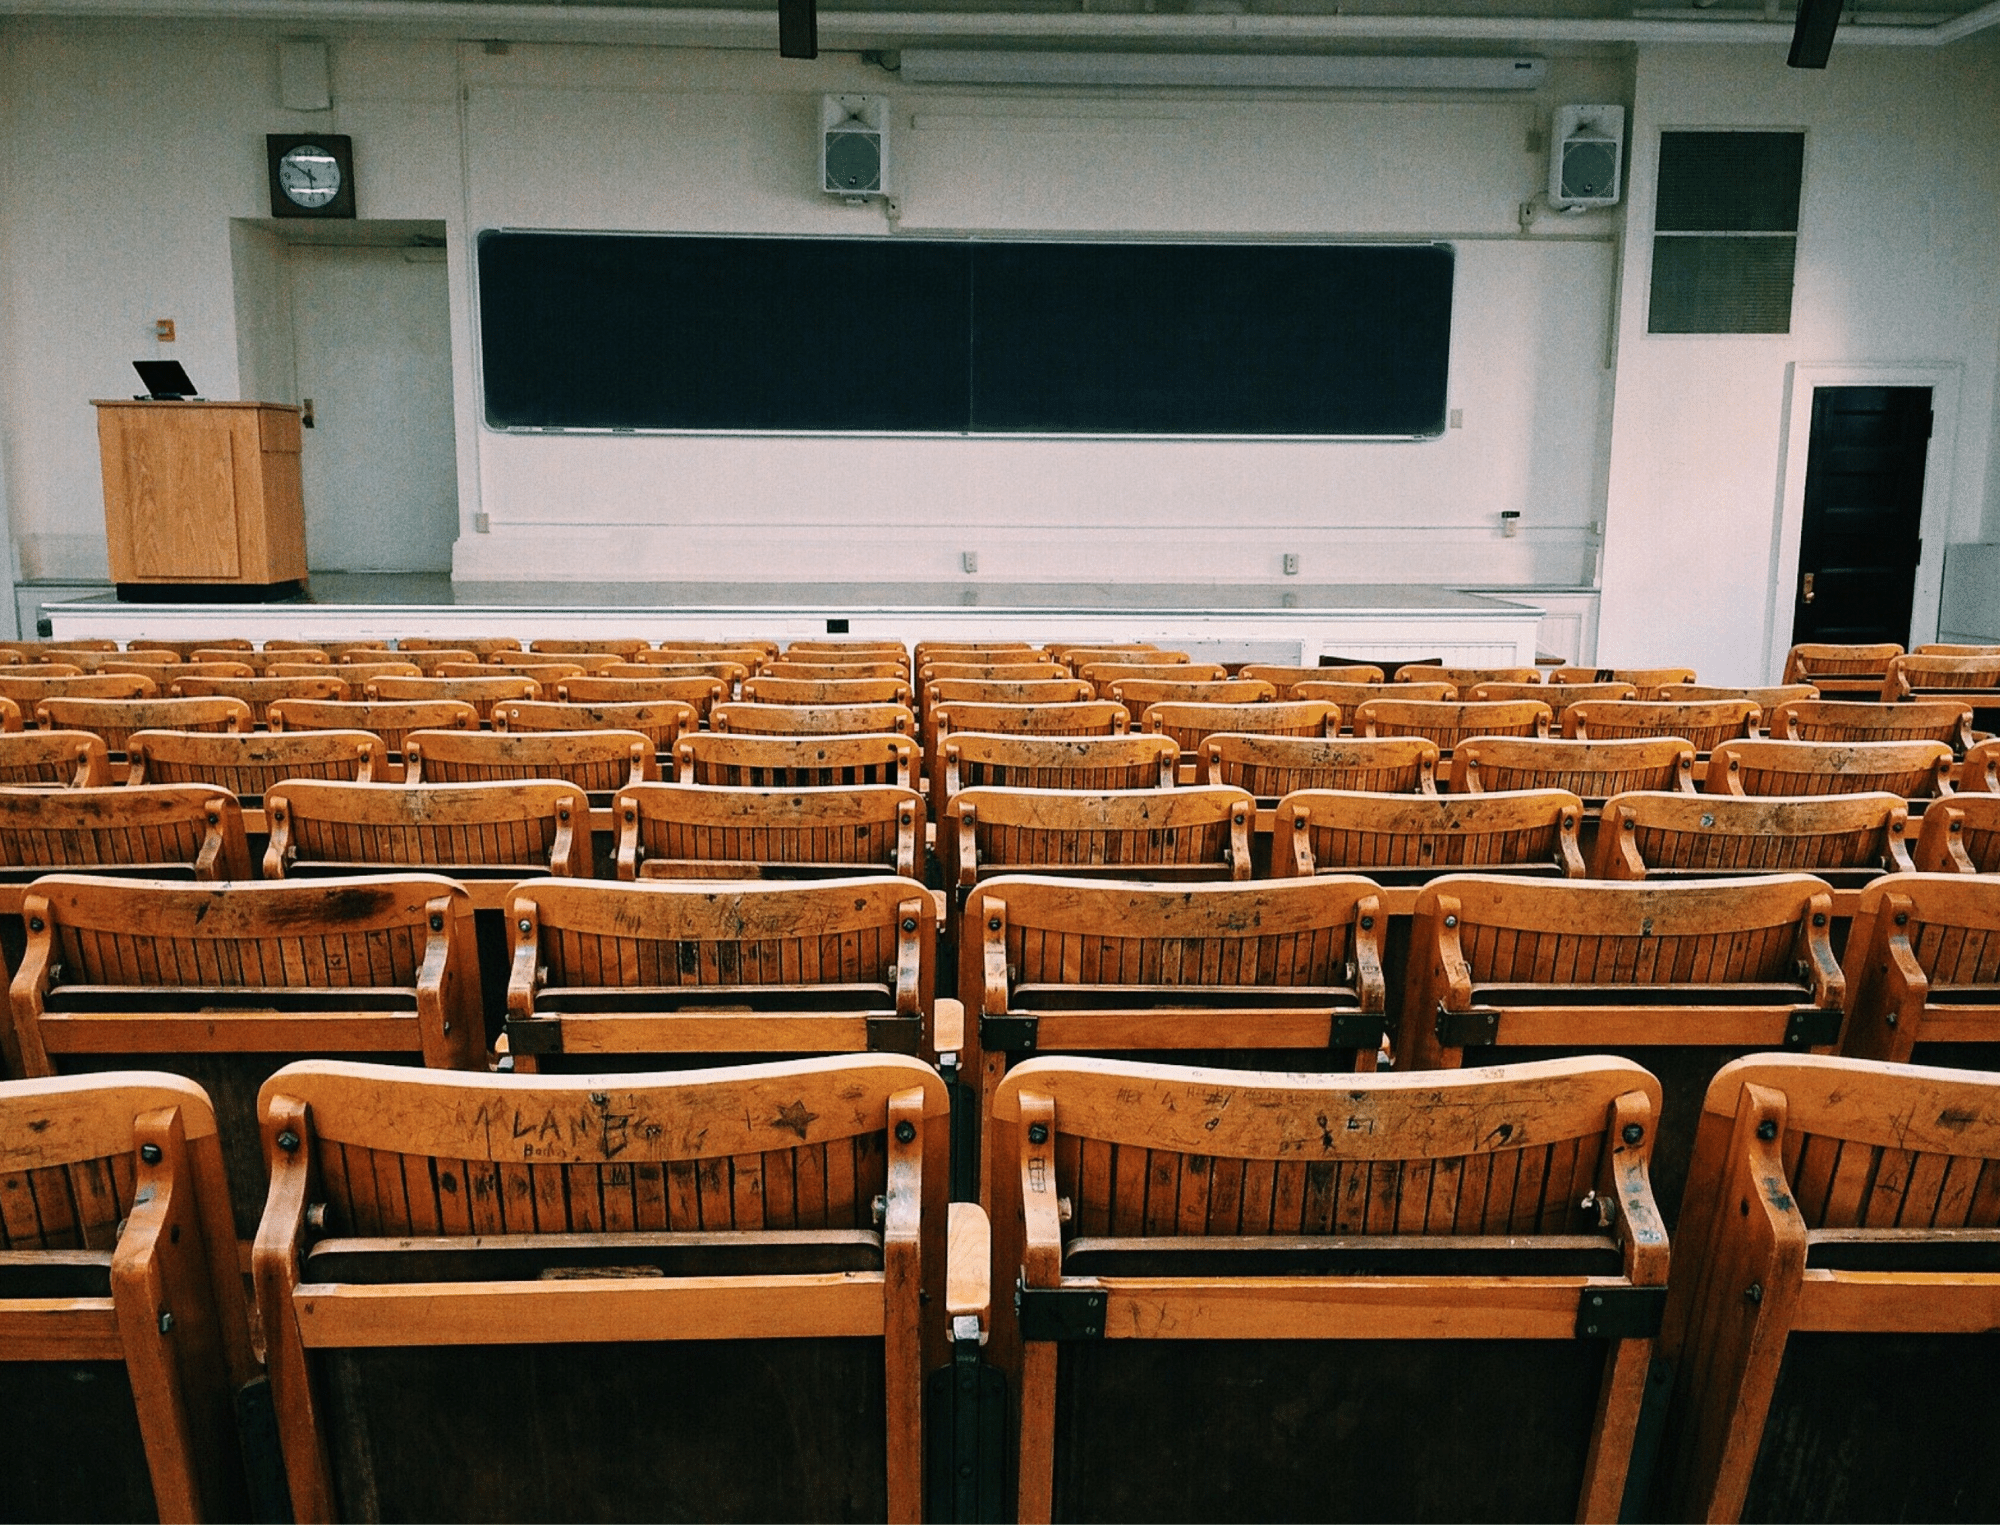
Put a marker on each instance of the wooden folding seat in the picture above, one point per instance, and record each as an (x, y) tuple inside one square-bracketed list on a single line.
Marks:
[(429, 662), (166, 674), (860, 648), (1650, 681), (163, 830), (1923, 971), (1252, 1296), (1592, 770), (117, 719), (534, 663), (34, 650), (1447, 723), (663, 724), (1140, 694), (597, 762), (1271, 766), (1703, 726), (247, 765), (1679, 977), (1351, 696), (978, 650), (617, 976), (1945, 720), (833, 672), (185, 650), (481, 693), (261, 693), (795, 762), (1557, 696), (1980, 772), (977, 760), (54, 759), (1845, 839), (1957, 649), (726, 648), (46, 670), (505, 830), (1463, 678), (262, 661), (1766, 698), (546, 670), (728, 674), (337, 647), (1961, 835), (625, 647), (1912, 769), (224, 983), (355, 673), (1285, 679), (389, 722), (116, 661), (1178, 835), (1831, 1310), (1191, 724), (702, 695), (1007, 691), (478, 645), (125, 1343), (814, 719), (1411, 838), (1973, 679), (1103, 675), (713, 831), (718, 1315), (1085, 717), (990, 672), (1066, 652), (29, 692), (763, 690), (1838, 670)]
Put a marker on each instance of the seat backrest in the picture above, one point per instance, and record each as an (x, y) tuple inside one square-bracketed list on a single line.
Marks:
[(1463, 678), (164, 674), (1591, 769), (481, 693), (353, 672), (837, 672), (663, 722), (1557, 696), (261, 693), (1105, 673), (1649, 681), (1078, 657), (1094, 717), (1269, 766), (1945, 720), (1926, 676), (1766, 698), (1285, 679), (1838, 668), (606, 974), (976, 760), (751, 652), (195, 829), (1447, 723), (762, 1290), (1369, 1241), (1842, 838), (185, 650), (1201, 832), (389, 720), (1138, 694), (956, 690), (117, 719), (430, 661), (1351, 696), (597, 761), (622, 646), (544, 670), (765, 690), (28, 692), (54, 759), (336, 647), (478, 645), (814, 719), (1913, 769), (1923, 966), (1410, 837), (1849, 1197), (794, 762), (727, 673), (670, 831), (858, 650), (114, 1218), (249, 764), (535, 825), (1960, 835), (1704, 725)]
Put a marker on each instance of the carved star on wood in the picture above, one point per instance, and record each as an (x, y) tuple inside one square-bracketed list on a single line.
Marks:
[(793, 1117)]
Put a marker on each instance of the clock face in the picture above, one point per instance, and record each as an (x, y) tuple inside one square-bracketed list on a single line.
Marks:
[(309, 175)]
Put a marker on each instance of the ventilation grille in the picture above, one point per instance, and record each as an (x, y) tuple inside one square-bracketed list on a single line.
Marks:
[(1726, 232)]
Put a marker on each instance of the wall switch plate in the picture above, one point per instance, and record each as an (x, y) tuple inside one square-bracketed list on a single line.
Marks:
[(163, 330), (1456, 420), (482, 523), (968, 561), (1291, 563)]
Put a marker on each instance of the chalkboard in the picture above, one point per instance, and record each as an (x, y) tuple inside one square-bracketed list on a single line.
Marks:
[(936, 336)]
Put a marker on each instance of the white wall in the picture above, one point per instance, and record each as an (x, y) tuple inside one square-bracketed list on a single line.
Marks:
[(1898, 225)]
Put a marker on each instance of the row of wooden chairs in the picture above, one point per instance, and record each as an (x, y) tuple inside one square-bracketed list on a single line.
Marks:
[(741, 1293)]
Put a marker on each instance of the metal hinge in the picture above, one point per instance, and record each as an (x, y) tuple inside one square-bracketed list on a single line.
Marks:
[(1620, 1313), (534, 1035), (1058, 1313), (1467, 1029), (1008, 1034), (1813, 1027), (894, 1035), (1356, 1029)]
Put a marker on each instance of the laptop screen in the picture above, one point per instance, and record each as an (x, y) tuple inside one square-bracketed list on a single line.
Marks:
[(165, 379)]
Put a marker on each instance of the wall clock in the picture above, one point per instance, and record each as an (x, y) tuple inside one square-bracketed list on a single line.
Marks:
[(312, 174)]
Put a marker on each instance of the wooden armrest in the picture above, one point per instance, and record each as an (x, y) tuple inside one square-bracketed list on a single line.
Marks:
[(968, 1280), (948, 1025)]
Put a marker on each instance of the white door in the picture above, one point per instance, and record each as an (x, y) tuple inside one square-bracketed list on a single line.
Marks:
[(372, 329)]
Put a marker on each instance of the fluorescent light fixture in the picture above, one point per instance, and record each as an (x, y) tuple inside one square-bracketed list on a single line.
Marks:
[(1237, 71)]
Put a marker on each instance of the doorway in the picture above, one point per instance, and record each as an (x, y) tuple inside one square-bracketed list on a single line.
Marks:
[(371, 335), (1861, 533)]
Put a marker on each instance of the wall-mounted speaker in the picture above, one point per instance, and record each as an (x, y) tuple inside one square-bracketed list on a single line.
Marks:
[(854, 145), (1586, 155)]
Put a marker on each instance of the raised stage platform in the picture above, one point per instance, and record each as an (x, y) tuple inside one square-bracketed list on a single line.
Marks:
[(1225, 621)]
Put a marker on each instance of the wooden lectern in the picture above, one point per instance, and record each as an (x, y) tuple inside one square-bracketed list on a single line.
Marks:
[(202, 497)]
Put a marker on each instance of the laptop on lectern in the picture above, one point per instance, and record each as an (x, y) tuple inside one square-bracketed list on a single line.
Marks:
[(165, 380)]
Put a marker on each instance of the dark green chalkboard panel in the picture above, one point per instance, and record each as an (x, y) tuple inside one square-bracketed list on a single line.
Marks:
[(597, 331)]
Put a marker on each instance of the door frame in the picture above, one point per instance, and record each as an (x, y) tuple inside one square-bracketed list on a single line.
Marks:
[(1940, 464)]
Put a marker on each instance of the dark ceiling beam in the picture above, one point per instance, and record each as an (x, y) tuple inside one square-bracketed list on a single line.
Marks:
[(1812, 33), (798, 29)]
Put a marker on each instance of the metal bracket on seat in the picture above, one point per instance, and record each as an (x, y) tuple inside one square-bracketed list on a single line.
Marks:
[(1813, 1027), (1468, 1029), (1620, 1313), (1011, 1033), (1356, 1029), (1059, 1313), (534, 1035), (894, 1035)]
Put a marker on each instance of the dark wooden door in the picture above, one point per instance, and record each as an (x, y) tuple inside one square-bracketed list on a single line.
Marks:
[(1861, 541)]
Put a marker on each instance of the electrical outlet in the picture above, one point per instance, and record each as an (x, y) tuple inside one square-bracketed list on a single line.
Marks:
[(482, 523), (163, 330), (1291, 563), (1456, 420), (968, 561)]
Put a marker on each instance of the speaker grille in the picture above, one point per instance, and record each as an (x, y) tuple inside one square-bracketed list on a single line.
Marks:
[(1725, 223), (853, 161), (1589, 167)]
